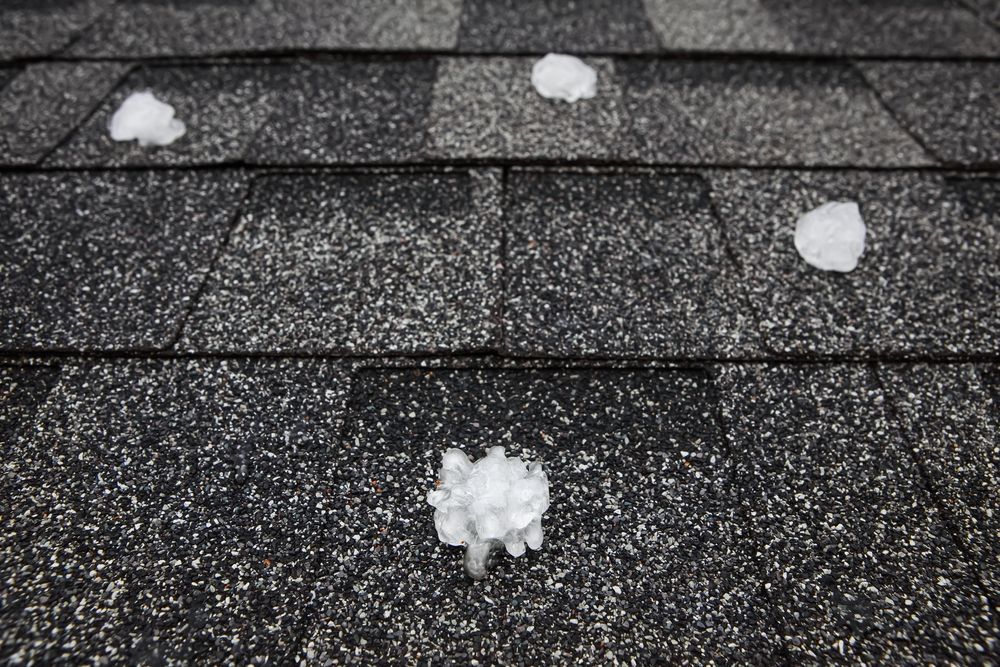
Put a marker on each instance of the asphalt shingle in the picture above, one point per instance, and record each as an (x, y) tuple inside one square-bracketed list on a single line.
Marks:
[(358, 263), (926, 284), (170, 512), (642, 559), (760, 113), (952, 427), (861, 566), (951, 107), (32, 28), (349, 111), (603, 26), (487, 107), (820, 27), (619, 264), (222, 108), (206, 27), (106, 260), (46, 101), (22, 391)]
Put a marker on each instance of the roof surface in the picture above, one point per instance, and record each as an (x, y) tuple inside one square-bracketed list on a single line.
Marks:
[(229, 366)]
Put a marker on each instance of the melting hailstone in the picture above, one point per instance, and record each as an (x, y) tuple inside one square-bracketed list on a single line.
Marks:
[(561, 77), (141, 116), (831, 237), (496, 500)]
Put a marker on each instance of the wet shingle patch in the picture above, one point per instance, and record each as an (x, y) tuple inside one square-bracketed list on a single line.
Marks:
[(603, 26), (760, 113), (349, 111), (951, 107), (46, 101), (861, 565), (170, 511), (487, 107), (222, 107), (952, 426), (362, 263), (642, 558), (32, 28), (104, 260), (619, 264), (926, 284)]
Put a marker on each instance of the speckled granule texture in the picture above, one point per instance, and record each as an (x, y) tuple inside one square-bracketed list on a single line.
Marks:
[(951, 107), (33, 28), (988, 10), (760, 113), (926, 284), (820, 27), (45, 102), (206, 27), (717, 25), (349, 111), (104, 260), (860, 563), (643, 557), (953, 428), (487, 107), (221, 107), (199, 27), (883, 27), (22, 390), (619, 264), (389, 24), (601, 26), (358, 263), (170, 511)]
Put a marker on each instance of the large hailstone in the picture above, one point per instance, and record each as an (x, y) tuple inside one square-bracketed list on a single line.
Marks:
[(831, 237), (141, 116), (496, 500), (561, 77)]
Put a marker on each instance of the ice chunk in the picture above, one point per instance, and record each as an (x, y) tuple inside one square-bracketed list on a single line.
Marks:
[(831, 237), (496, 500), (561, 77), (141, 116)]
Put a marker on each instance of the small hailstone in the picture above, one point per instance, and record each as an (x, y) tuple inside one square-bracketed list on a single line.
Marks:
[(831, 237), (141, 116), (492, 501), (561, 77)]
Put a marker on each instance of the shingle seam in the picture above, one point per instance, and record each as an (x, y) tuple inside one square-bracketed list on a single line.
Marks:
[(210, 269), (85, 30), (894, 413), (84, 120)]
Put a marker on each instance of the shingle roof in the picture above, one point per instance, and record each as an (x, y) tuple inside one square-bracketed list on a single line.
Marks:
[(229, 366)]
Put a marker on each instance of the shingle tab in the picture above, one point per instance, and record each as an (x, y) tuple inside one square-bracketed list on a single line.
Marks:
[(760, 113), (860, 565), (106, 260), (349, 111), (619, 264), (950, 107), (170, 512), (643, 557), (487, 107), (358, 263), (603, 26), (820, 27), (222, 108), (23, 390), (926, 284), (32, 28), (952, 427), (45, 103)]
